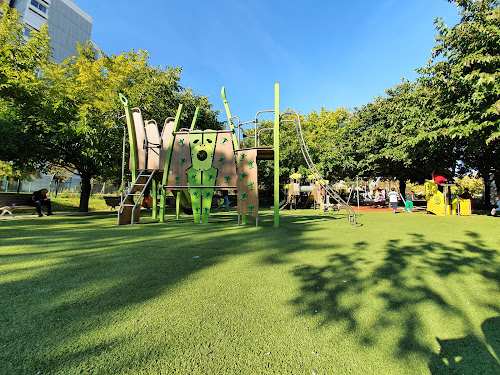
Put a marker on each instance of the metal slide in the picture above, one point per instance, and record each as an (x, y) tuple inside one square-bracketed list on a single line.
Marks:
[(312, 167)]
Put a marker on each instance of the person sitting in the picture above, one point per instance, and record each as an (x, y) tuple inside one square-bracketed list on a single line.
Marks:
[(39, 199), (225, 195), (465, 194), (496, 211)]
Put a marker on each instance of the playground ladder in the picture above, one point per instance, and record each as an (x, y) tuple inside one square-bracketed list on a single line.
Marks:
[(128, 204)]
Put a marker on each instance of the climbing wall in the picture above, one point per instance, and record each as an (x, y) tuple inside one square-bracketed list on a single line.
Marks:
[(248, 196), (180, 161), (202, 173), (224, 161)]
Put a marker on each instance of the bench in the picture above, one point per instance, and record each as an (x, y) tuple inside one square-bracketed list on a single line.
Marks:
[(13, 201)]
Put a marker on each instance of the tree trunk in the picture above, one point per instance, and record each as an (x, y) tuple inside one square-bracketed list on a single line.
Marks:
[(496, 178), (18, 185), (486, 198), (86, 187), (402, 187)]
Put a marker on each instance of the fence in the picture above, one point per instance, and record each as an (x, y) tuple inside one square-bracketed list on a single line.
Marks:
[(47, 182)]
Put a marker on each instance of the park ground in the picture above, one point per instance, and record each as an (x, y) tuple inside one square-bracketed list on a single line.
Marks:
[(398, 294)]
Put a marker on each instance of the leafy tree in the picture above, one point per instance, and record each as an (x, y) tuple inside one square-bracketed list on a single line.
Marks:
[(21, 90), (464, 72), (82, 129), (67, 115)]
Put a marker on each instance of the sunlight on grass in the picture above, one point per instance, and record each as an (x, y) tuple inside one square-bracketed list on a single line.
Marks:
[(399, 294)]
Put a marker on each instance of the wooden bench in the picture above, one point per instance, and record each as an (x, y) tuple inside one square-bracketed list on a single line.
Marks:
[(13, 201)]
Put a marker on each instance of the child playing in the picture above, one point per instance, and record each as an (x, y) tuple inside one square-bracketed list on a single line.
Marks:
[(409, 201), (393, 199)]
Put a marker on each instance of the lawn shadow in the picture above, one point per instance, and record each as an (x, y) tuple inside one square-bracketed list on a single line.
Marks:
[(469, 355), (86, 268), (372, 297)]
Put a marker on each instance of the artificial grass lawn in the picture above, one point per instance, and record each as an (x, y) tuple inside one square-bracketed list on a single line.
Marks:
[(400, 294)]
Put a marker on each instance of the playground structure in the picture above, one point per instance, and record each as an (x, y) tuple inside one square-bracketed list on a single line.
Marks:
[(307, 193), (194, 163), (441, 203)]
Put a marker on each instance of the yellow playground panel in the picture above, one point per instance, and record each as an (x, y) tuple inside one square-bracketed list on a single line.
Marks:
[(441, 203)]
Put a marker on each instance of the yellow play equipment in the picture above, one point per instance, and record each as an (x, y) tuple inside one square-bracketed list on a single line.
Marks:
[(440, 202)]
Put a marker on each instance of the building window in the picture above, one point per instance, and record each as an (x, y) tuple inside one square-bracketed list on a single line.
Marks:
[(27, 32), (37, 5)]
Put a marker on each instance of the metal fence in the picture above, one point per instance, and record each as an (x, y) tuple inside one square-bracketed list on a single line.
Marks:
[(72, 184)]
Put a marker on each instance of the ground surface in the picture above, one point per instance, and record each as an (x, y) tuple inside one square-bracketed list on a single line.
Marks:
[(400, 294)]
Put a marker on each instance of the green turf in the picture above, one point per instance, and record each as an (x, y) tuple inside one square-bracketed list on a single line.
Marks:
[(400, 294)]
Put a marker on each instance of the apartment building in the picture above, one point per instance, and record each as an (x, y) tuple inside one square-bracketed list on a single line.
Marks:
[(67, 23)]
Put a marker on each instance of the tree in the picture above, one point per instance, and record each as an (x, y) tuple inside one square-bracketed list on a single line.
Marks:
[(21, 90), (82, 129), (464, 72), (68, 114)]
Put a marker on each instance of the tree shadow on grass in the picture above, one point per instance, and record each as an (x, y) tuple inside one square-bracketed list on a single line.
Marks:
[(391, 294), (58, 283), (468, 355)]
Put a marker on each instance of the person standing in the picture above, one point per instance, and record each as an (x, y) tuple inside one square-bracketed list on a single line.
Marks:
[(393, 199), (39, 199)]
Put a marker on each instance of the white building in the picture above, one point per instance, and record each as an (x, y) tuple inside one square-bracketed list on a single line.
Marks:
[(67, 23)]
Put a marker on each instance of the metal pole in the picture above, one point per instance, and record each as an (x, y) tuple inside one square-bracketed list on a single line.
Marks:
[(357, 189), (276, 144)]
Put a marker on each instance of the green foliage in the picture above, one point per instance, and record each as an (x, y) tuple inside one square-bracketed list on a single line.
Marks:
[(21, 90), (464, 74), (472, 182), (68, 115)]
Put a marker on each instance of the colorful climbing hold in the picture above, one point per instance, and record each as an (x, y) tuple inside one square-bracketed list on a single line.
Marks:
[(251, 207), (182, 161), (243, 195), (197, 209), (242, 156), (193, 177), (207, 210), (210, 177), (243, 175), (177, 179), (207, 194), (196, 194), (181, 142), (224, 140), (221, 159), (227, 178), (251, 163), (251, 185)]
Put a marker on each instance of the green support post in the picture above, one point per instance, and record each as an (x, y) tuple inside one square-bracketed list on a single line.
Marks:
[(276, 145), (131, 137), (154, 195), (194, 119), (228, 112), (178, 204), (163, 199)]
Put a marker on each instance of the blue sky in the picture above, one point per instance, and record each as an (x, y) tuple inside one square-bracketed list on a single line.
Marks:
[(323, 53)]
